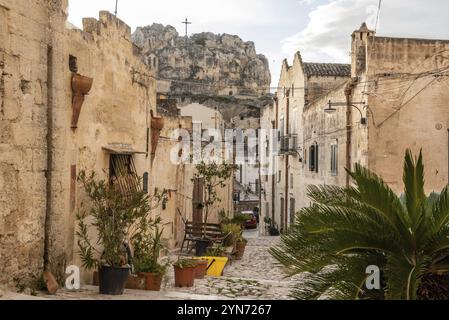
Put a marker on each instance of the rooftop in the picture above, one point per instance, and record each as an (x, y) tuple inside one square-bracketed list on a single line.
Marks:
[(327, 69)]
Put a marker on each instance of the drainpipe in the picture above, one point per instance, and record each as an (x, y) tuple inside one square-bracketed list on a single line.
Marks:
[(287, 158), (49, 171), (273, 189), (348, 94)]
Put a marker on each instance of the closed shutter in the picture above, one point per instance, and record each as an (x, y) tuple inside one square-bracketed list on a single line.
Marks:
[(312, 158), (292, 210), (123, 174), (198, 188)]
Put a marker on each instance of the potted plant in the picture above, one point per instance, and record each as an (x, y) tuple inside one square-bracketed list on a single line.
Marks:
[(201, 268), (113, 214), (240, 247), (214, 176), (233, 231), (271, 227), (147, 245), (185, 273)]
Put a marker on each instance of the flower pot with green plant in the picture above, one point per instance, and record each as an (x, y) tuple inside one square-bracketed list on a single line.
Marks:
[(214, 176), (240, 247), (185, 271), (271, 227), (113, 214), (147, 244), (233, 232), (201, 268)]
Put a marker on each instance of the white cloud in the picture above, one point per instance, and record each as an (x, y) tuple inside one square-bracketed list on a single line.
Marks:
[(327, 36), (203, 13)]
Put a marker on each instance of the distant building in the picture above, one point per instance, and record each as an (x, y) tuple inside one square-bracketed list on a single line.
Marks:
[(397, 90)]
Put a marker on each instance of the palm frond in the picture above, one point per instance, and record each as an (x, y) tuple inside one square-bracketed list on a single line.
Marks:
[(404, 277), (372, 191), (414, 188)]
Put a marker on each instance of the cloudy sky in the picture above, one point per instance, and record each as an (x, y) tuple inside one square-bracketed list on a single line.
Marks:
[(320, 29)]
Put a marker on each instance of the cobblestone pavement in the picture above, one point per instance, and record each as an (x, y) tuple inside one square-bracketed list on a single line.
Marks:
[(256, 277)]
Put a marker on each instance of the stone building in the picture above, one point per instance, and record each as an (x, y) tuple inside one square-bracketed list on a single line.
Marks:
[(73, 100), (300, 85), (392, 97), (219, 80), (34, 95)]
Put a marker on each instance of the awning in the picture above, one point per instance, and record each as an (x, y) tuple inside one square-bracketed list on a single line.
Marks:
[(122, 148)]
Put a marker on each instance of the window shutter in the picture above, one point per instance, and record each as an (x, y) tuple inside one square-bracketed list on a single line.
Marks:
[(312, 158)]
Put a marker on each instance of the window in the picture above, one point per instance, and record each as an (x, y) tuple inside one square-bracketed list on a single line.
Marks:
[(267, 149), (281, 128), (73, 64), (282, 213), (292, 210), (279, 176), (292, 180), (313, 158), (123, 174), (294, 124), (334, 159)]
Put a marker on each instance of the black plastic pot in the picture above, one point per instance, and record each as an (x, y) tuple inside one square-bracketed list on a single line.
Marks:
[(201, 247), (113, 280), (274, 232)]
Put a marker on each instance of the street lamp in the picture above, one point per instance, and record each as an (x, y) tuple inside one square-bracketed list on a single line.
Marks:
[(331, 109)]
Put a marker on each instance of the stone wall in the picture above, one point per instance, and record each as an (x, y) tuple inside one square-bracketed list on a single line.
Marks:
[(31, 42), (177, 179), (41, 152), (115, 113), (408, 96)]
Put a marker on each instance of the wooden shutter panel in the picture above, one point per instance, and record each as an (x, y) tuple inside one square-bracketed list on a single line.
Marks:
[(312, 158)]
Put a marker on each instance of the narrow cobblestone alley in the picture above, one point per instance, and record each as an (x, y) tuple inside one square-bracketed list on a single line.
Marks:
[(255, 277)]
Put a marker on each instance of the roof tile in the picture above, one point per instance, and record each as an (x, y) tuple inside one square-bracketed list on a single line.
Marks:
[(327, 69)]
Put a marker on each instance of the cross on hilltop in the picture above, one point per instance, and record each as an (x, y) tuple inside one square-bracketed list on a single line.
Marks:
[(187, 22)]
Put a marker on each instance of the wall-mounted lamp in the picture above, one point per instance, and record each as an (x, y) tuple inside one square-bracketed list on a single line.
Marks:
[(331, 109)]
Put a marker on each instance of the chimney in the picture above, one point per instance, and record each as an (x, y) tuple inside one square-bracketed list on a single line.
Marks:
[(359, 53)]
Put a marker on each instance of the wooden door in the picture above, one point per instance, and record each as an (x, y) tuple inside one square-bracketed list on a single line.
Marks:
[(198, 201)]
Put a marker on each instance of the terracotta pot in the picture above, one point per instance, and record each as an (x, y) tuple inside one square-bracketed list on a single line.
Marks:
[(201, 269), (184, 277), (157, 124), (240, 248), (153, 281), (135, 283), (81, 85)]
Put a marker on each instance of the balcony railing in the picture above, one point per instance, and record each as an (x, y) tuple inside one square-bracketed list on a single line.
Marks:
[(285, 144), (289, 144)]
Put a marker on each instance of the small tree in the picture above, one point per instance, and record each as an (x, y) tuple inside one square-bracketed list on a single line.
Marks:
[(117, 218), (214, 176)]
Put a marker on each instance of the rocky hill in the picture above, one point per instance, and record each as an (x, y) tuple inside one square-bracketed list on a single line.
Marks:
[(204, 63)]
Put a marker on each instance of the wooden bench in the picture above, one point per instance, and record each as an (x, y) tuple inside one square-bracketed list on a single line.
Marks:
[(195, 232)]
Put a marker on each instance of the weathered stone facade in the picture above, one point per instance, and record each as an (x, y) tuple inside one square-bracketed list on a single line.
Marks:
[(300, 85), (31, 44), (43, 65), (400, 88)]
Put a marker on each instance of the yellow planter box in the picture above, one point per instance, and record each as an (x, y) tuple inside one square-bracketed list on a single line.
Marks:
[(215, 265)]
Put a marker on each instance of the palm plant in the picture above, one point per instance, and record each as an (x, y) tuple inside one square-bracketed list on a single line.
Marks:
[(348, 229)]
